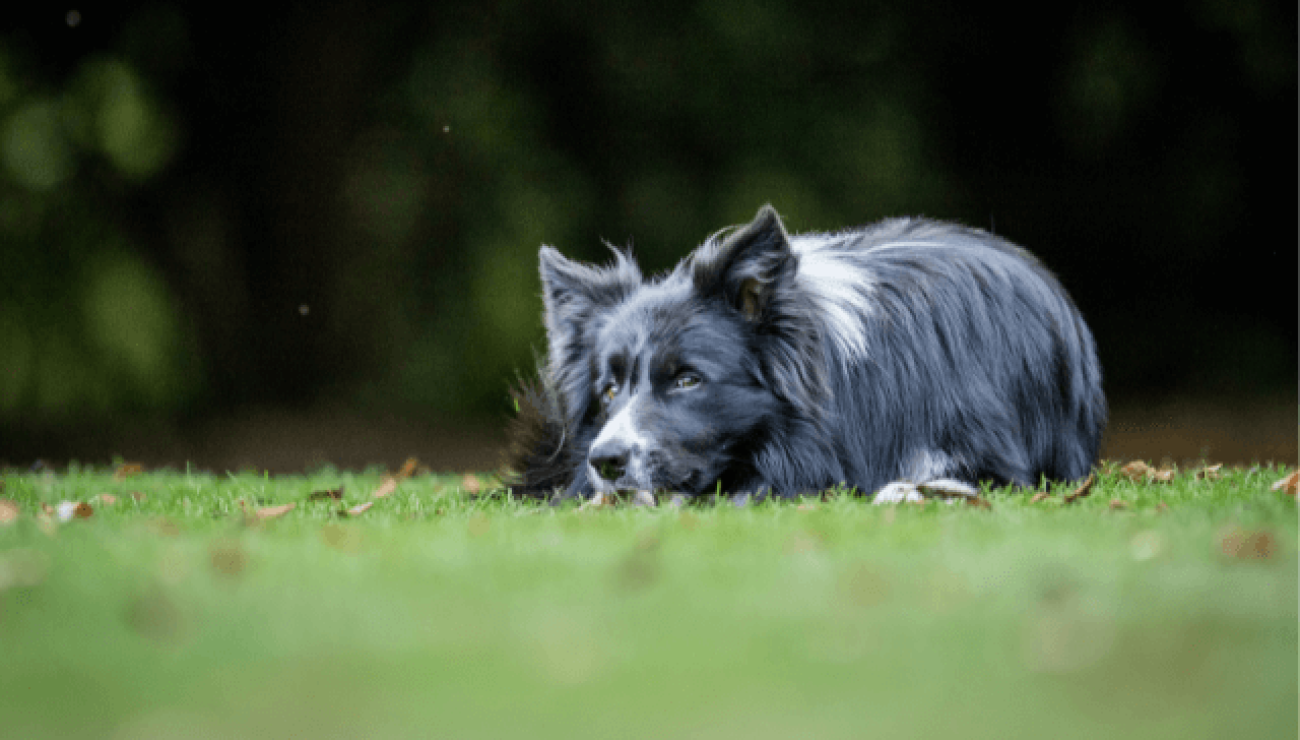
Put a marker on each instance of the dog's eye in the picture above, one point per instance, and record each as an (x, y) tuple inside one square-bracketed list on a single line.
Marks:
[(687, 381), (607, 395)]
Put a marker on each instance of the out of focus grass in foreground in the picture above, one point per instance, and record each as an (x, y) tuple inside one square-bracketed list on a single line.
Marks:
[(1146, 609)]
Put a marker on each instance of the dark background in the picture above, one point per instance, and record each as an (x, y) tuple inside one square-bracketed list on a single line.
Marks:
[(308, 233)]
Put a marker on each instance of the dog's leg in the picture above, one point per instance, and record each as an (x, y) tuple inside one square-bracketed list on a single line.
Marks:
[(898, 492), (933, 472), (945, 489)]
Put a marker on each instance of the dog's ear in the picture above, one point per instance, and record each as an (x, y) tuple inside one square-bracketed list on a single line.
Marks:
[(748, 266), (572, 294)]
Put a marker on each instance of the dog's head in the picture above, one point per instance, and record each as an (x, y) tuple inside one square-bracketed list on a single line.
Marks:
[(672, 384)]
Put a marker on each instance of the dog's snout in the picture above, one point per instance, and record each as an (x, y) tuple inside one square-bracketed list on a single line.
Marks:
[(609, 463)]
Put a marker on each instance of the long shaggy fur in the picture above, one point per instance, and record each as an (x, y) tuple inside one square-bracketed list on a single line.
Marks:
[(908, 350)]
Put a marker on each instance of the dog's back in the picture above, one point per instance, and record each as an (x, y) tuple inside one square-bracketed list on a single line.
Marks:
[(951, 354)]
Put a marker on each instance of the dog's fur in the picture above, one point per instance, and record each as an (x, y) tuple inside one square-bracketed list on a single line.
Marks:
[(909, 350)]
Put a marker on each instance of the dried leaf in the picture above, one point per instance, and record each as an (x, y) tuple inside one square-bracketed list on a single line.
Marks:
[(1209, 472), (1083, 490), (9, 511), (332, 494), (107, 499), (1136, 471), (1116, 504), (1040, 496), (359, 509), (387, 487), (228, 557), (471, 484), (408, 468), (599, 500), (1247, 544), (47, 509), (272, 512), (138, 496), (126, 470), (1288, 484), (69, 510), (979, 502), (1163, 475)]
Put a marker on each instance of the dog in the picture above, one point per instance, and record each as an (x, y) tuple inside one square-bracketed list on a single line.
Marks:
[(907, 358)]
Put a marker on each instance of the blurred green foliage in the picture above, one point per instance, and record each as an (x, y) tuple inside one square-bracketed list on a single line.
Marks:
[(87, 323), (199, 210)]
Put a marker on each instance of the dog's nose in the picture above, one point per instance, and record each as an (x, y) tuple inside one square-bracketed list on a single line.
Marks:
[(610, 464)]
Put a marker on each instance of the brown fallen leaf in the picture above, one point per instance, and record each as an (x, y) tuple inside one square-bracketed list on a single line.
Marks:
[(1209, 472), (69, 510), (107, 499), (1135, 471), (126, 470), (1247, 544), (358, 510), (271, 512), (386, 487), (1288, 484), (599, 500), (138, 496), (228, 557), (472, 485), (979, 502), (408, 468), (9, 511), (1162, 507), (1163, 475), (1083, 490), (332, 494), (1116, 504), (1040, 496), (47, 509)]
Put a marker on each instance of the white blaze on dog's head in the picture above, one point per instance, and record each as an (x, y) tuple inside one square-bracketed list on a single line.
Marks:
[(620, 436)]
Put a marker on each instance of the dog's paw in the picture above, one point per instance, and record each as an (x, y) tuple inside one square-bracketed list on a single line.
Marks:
[(599, 500), (898, 492), (945, 489), (643, 498), (948, 488)]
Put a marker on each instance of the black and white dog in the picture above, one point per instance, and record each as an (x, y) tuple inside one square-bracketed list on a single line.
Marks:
[(907, 357)]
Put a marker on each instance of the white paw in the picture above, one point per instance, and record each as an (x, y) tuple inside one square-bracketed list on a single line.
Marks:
[(643, 498), (948, 487), (898, 492)]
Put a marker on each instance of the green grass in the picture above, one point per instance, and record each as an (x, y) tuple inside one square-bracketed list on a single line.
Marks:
[(441, 614)]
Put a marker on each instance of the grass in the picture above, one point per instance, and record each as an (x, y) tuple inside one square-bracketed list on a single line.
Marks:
[(438, 613)]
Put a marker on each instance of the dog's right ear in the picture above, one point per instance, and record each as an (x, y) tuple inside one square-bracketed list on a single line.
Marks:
[(573, 293), (749, 266)]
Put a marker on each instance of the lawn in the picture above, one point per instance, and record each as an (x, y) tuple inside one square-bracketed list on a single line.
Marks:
[(189, 604)]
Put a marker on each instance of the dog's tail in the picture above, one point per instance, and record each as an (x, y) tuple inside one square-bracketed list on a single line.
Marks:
[(536, 459)]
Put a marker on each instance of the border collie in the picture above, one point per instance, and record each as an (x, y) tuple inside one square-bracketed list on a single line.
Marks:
[(906, 358)]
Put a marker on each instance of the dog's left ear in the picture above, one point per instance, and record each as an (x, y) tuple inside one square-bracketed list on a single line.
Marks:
[(747, 266)]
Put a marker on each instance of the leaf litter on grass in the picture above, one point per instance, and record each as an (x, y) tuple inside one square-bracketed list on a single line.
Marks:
[(1289, 484)]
